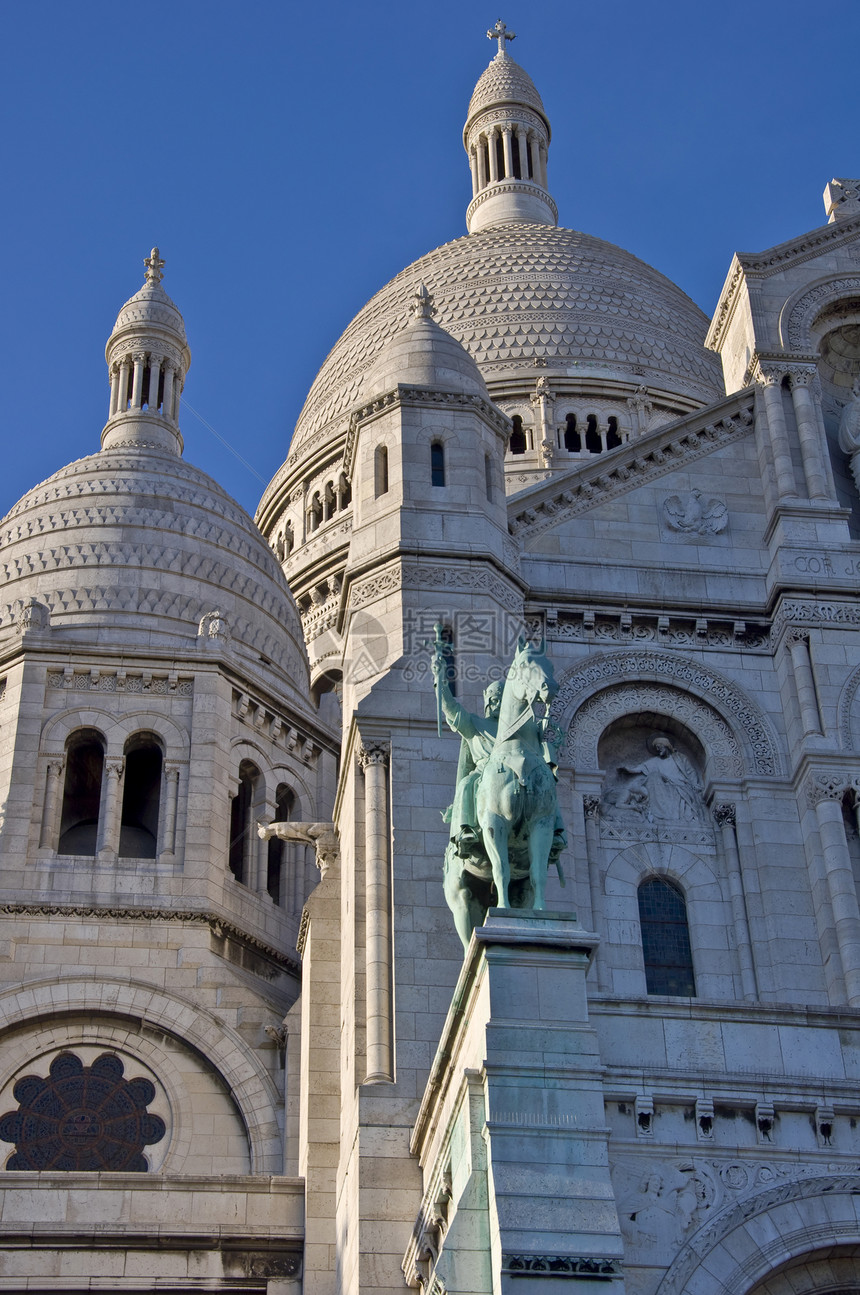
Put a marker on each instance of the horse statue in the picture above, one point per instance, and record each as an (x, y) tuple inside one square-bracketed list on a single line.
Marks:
[(505, 824)]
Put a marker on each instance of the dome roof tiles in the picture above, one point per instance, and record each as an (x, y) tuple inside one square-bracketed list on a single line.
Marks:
[(508, 291), (504, 81), (140, 544)]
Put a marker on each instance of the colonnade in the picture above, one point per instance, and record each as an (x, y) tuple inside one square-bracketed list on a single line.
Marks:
[(127, 384), (522, 156), (817, 471)]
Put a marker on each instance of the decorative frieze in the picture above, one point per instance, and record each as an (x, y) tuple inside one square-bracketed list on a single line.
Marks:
[(591, 626), (262, 720), (98, 680), (562, 1266)]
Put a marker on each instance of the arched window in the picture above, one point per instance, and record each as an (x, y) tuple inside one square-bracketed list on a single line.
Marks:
[(380, 471), (275, 880), (82, 791), (329, 501), (289, 539), (517, 443), (344, 492), (488, 477), (613, 440), (242, 832), (315, 512), (593, 443), (437, 464), (572, 438), (141, 798), (665, 939)]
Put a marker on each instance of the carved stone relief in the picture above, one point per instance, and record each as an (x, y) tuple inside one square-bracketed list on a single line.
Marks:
[(695, 515)]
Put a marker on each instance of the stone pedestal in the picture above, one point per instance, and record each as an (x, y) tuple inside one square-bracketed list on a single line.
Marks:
[(511, 1133)]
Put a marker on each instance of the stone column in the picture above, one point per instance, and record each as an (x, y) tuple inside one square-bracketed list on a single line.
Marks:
[(51, 804), (825, 792), (770, 380), (725, 819), (473, 165), (482, 162), (810, 433), (171, 790), (542, 156), (110, 809), (114, 390), (122, 390), (493, 156), (591, 809), (523, 142), (167, 403), (373, 758), (804, 682), (154, 380), (508, 151), (534, 158), (139, 358)]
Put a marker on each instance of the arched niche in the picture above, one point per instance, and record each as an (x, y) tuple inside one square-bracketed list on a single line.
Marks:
[(732, 730)]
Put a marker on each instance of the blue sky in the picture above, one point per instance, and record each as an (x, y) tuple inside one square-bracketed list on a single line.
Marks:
[(289, 161)]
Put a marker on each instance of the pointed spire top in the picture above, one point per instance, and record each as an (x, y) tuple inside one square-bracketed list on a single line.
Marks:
[(502, 35), (154, 265), (423, 306)]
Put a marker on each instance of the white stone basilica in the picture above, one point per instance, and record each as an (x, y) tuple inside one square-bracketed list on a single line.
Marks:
[(237, 1064)]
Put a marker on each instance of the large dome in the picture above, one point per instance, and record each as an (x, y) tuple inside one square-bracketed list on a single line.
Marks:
[(131, 547), (517, 293)]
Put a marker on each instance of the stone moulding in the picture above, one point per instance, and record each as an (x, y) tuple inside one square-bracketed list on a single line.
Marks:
[(510, 186), (801, 310), (698, 691), (830, 1191), (635, 463), (562, 1266), (846, 706), (412, 396), (219, 925)]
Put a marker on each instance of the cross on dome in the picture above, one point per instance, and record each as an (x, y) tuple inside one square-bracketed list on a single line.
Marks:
[(423, 306), (154, 265), (501, 34)]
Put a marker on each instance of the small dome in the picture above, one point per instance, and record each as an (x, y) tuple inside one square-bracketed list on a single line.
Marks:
[(133, 547), (151, 308), (422, 354), (504, 81)]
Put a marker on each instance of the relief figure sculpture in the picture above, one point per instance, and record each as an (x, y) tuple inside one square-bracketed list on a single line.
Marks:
[(505, 827), (664, 788)]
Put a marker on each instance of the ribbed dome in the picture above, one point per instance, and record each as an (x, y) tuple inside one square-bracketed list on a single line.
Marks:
[(518, 292), (505, 81), (132, 547)]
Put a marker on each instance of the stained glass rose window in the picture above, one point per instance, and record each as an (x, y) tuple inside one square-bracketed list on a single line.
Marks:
[(81, 1117)]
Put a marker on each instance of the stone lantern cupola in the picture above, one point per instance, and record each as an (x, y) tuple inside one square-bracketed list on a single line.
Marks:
[(147, 357), (506, 137)]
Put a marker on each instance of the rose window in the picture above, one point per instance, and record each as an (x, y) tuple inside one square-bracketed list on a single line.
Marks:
[(81, 1117)]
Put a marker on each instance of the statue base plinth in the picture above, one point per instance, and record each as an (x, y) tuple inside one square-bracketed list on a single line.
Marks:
[(512, 1122)]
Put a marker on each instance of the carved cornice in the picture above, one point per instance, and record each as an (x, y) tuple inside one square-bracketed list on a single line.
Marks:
[(829, 784), (262, 719), (790, 612), (97, 680), (218, 924), (304, 927), (511, 186), (562, 1266), (633, 464)]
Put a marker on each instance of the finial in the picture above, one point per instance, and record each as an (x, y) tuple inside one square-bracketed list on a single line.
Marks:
[(154, 266), (423, 306), (501, 34)]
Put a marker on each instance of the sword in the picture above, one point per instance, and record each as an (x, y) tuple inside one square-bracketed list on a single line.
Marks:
[(438, 644)]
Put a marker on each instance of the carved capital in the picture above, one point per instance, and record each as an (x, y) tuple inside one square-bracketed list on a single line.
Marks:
[(802, 375), (769, 375), (724, 815), (56, 767), (114, 768), (591, 806), (826, 786), (171, 772), (373, 753), (796, 635), (139, 357)]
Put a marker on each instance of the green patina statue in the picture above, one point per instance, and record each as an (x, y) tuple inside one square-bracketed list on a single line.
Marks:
[(505, 824)]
